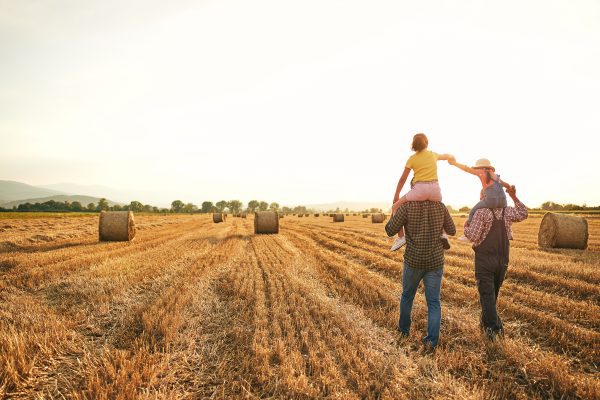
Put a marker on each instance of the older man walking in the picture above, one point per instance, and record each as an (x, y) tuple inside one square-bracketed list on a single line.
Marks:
[(490, 231), (423, 222)]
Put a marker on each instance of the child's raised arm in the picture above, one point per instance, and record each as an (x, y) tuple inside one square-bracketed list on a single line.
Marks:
[(464, 167), (445, 157), (401, 183)]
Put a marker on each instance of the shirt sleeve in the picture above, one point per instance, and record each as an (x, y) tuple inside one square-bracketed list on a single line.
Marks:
[(436, 155), (517, 213), (474, 230), (409, 162), (449, 226), (397, 221)]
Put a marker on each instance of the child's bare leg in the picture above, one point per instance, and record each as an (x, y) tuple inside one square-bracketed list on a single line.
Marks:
[(395, 208)]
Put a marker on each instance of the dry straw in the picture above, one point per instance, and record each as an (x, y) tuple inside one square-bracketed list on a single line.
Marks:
[(219, 217), (338, 217), (116, 226), (377, 218), (563, 231), (266, 222)]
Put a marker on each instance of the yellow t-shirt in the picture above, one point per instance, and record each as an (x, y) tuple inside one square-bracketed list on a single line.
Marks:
[(424, 166)]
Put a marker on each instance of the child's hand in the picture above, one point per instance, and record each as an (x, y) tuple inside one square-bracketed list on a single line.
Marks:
[(452, 160)]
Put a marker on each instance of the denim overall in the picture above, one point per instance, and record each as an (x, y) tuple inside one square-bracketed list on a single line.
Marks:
[(491, 263), (493, 197)]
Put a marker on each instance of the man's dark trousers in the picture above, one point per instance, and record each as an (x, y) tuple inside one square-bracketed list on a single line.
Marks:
[(491, 263)]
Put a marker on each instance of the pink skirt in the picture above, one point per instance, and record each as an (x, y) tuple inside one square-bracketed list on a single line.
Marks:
[(423, 191)]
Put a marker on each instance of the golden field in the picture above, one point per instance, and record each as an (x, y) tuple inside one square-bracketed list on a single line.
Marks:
[(193, 309)]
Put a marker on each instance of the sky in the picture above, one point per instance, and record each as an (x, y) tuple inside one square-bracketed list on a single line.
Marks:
[(300, 102)]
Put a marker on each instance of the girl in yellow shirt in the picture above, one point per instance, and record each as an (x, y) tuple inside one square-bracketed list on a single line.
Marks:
[(424, 184)]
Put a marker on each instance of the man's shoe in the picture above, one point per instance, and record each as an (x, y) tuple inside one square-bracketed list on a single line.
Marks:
[(399, 242), (445, 241), (428, 348), (492, 335)]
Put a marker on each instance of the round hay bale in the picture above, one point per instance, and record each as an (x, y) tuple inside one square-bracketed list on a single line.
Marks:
[(377, 218), (243, 215), (300, 215), (338, 217), (563, 231), (280, 216), (117, 226), (218, 217), (266, 222), (365, 215), (316, 215)]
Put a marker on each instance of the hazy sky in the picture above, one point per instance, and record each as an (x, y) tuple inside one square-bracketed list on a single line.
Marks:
[(299, 102)]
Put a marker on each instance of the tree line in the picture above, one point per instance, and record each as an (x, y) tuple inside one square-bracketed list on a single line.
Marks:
[(177, 206), (231, 206), (552, 206)]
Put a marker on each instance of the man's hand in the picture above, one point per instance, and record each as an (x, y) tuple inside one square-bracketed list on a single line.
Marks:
[(512, 192)]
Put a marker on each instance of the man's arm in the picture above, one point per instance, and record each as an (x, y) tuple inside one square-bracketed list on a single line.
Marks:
[(474, 230), (397, 221), (449, 226), (517, 213)]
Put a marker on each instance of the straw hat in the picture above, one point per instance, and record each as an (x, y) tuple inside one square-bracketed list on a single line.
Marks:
[(483, 163)]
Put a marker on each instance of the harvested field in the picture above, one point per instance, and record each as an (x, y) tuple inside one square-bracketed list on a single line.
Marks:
[(193, 309)]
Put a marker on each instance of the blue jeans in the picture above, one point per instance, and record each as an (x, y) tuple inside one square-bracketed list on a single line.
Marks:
[(432, 279)]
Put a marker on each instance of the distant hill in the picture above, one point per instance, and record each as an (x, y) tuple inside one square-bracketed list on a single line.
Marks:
[(11, 191), (351, 205), (84, 200), (89, 190)]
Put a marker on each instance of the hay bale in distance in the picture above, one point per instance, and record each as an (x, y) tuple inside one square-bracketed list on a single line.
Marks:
[(316, 215), (563, 231), (365, 215), (377, 218), (243, 215), (219, 217), (338, 217), (266, 222), (117, 226)]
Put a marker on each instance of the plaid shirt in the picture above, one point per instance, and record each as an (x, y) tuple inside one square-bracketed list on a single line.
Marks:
[(423, 223), (481, 223)]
